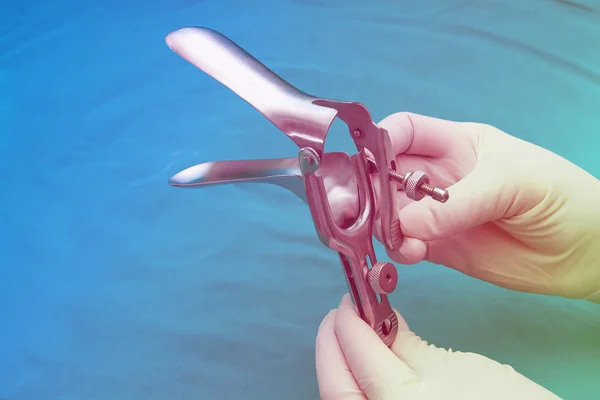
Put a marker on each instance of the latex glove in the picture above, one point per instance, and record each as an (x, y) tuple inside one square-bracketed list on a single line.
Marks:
[(353, 363), (519, 216)]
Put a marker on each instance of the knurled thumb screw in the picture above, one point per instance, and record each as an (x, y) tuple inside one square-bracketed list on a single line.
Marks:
[(416, 186)]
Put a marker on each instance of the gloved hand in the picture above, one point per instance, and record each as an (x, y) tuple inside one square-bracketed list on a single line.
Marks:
[(353, 363), (519, 216)]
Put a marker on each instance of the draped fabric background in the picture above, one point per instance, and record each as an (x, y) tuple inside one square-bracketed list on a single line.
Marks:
[(114, 285)]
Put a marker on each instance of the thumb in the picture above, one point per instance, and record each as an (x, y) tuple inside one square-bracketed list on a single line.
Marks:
[(377, 370), (486, 194)]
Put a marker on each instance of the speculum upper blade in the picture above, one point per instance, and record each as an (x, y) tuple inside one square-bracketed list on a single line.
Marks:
[(288, 108)]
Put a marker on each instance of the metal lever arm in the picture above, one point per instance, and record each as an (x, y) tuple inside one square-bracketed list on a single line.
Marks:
[(367, 135), (343, 218), (368, 286)]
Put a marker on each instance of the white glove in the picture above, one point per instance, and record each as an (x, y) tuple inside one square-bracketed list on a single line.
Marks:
[(353, 363), (519, 216)]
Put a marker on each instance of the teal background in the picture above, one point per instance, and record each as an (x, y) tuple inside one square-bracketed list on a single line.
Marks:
[(114, 285)]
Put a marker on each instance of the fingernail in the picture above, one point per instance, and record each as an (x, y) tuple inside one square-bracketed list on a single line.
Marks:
[(396, 256)]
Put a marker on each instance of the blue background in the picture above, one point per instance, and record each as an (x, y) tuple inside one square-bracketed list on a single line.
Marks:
[(114, 285)]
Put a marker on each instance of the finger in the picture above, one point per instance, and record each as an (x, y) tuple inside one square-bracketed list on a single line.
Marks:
[(477, 251), (377, 370), (422, 135), (411, 251), (471, 203), (416, 353), (443, 172), (432, 363), (480, 377), (486, 194), (334, 378)]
